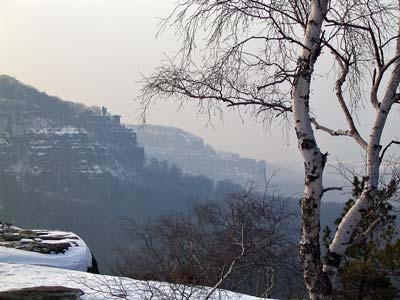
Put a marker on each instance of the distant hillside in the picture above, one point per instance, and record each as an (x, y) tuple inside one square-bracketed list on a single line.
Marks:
[(68, 166), (192, 155)]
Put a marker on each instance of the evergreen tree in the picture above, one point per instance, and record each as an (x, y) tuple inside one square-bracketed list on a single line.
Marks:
[(371, 267)]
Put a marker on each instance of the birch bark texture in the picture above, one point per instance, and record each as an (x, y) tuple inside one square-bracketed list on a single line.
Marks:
[(259, 56), (316, 281)]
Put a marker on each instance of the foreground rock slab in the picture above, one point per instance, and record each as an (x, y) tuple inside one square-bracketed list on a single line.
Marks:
[(42, 293), (51, 248)]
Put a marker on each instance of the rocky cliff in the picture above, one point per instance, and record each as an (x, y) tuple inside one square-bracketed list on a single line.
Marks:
[(192, 155), (77, 168)]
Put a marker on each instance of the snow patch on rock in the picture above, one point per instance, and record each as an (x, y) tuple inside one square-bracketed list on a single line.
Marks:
[(57, 249)]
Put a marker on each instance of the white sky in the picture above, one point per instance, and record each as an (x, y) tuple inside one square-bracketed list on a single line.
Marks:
[(93, 51)]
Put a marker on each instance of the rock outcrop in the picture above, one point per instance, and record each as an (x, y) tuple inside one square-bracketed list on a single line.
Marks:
[(42, 293), (46, 248)]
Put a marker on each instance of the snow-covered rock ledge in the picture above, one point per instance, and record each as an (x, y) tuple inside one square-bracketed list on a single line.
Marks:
[(99, 287), (57, 249), (42, 264)]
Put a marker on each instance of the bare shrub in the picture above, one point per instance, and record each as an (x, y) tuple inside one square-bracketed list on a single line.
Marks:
[(245, 243)]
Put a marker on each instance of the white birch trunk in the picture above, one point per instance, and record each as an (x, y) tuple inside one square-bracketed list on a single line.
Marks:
[(316, 281), (343, 236)]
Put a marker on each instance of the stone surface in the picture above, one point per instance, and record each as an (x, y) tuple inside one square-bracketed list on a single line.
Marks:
[(57, 249), (34, 240), (42, 293)]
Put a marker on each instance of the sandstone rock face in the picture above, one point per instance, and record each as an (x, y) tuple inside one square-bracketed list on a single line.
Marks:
[(65, 165)]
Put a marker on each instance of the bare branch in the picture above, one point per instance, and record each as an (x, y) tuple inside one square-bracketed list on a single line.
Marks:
[(387, 147), (366, 233), (231, 267), (344, 66), (377, 81), (332, 132), (333, 188)]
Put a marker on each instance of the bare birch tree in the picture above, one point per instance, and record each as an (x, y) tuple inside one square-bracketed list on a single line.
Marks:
[(261, 55)]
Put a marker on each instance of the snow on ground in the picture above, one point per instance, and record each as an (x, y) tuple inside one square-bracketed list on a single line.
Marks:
[(73, 254), (99, 287)]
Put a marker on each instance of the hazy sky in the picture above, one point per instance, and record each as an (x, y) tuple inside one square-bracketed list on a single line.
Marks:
[(93, 51)]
